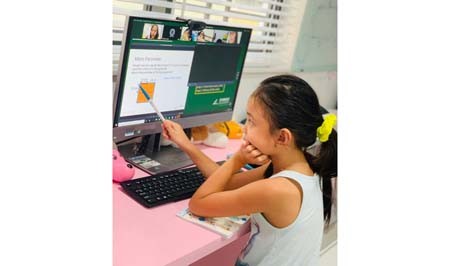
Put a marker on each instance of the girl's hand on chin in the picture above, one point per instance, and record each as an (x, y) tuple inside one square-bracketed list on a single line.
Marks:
[(252, 155)]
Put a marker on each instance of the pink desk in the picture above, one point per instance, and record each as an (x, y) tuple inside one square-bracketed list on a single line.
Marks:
[(156, 236)]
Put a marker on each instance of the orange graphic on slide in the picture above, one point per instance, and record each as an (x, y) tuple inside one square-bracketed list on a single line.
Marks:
[(149, 88)]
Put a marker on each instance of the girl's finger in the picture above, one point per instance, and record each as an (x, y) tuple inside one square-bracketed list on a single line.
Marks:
[(263, 158), (249, 148), (255, 153)]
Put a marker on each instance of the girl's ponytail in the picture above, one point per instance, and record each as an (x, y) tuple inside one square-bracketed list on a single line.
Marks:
[(327, 160), (325, 165)]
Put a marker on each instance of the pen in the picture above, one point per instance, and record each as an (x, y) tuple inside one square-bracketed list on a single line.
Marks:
[(152, 103)]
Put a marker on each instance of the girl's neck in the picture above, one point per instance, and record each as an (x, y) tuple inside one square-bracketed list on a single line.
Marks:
[(292, 160)]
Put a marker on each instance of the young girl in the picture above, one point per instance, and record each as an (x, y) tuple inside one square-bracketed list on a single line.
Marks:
[(154, 32), (289, 195), (186, 35)]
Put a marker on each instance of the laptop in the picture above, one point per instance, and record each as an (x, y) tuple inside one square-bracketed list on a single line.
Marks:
[(171, 32)]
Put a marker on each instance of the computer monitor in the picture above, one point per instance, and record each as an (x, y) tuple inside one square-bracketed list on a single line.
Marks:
[(192, 79)]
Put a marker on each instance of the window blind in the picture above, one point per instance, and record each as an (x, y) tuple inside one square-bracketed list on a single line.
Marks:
[(272, 37)]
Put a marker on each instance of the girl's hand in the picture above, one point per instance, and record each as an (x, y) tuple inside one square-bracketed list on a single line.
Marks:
[(250, 154), (174, 132)]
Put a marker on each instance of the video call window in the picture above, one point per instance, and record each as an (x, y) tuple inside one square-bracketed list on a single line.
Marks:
[(165, 32), (210, 35), (171, 32), (152, 31)]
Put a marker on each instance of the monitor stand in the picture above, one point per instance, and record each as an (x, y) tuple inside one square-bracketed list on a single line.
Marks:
[(151, 157)]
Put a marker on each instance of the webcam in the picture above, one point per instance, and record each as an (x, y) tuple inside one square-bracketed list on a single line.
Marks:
[(193, 24)]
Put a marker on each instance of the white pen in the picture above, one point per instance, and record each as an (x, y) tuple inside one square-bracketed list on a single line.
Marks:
[(152, 103)]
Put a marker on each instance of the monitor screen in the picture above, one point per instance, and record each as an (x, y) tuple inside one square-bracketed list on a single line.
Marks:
[(191, 76)]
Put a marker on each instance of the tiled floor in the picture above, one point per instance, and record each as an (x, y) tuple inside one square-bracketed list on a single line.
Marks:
[(329, 257), (328, 253)]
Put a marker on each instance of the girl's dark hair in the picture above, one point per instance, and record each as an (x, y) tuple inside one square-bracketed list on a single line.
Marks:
[(291, 103)]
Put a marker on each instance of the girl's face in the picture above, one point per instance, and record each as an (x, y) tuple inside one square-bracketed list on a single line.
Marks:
[(257, 128), (154, 31), (232, 37), (186, 35)]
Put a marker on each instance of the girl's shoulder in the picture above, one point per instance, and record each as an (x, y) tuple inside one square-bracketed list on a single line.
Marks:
[(284, 200), (281, 185)]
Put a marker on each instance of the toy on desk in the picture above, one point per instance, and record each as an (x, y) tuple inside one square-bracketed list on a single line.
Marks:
[(203, 135), (232, 129), (122, 171), (217, 135)]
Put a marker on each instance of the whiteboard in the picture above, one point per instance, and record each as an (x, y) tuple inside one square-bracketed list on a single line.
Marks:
[(317, 42)]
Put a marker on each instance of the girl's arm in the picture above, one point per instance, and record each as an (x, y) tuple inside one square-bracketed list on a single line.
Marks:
[(174, 132), (208, 167), (218, 181), (241, 179), (225, 193), (213, 200)]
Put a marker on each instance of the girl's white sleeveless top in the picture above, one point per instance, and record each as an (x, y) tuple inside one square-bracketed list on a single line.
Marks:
[(298, 243)]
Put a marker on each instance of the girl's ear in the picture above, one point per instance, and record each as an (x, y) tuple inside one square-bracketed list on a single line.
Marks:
[(284, 137)]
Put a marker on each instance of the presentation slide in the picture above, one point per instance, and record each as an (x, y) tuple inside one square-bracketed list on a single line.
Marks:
[(163, 74)]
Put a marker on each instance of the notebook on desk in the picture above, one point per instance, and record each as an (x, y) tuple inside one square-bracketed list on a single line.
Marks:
[(225, 226)]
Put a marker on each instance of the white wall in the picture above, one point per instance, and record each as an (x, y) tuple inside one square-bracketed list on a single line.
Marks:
[(324, 84)]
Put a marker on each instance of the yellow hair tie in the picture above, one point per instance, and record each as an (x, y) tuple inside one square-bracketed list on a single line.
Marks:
[(324, 131)]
